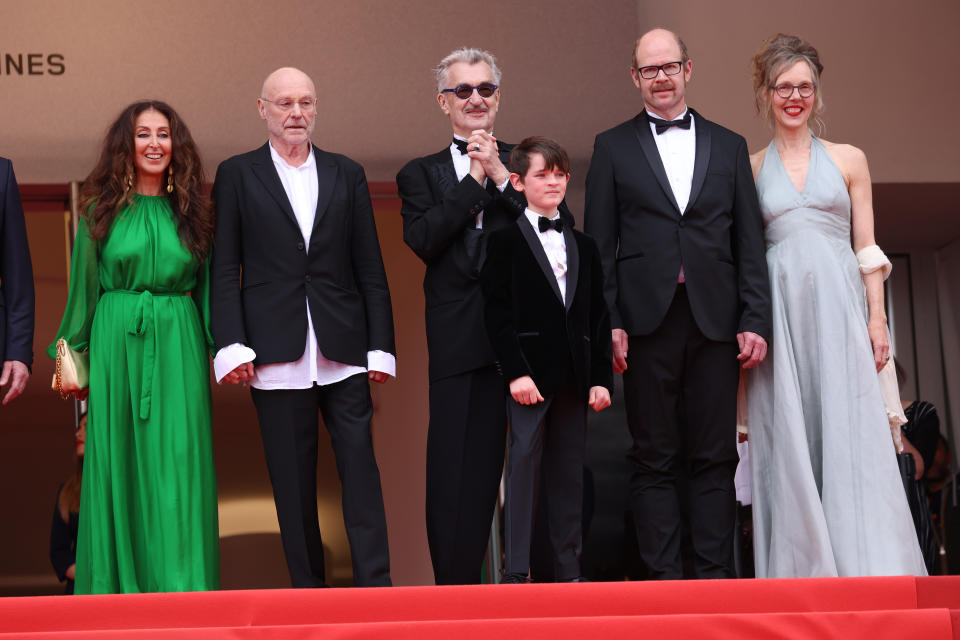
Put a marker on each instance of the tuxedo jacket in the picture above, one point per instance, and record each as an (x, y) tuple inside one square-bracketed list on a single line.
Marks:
[(16, 274), (262, 273), (643, 237), (533, 331), (439, 224)]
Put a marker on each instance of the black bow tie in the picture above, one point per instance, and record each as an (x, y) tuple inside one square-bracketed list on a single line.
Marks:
[(663, 125), (546, 225), (461, 145)]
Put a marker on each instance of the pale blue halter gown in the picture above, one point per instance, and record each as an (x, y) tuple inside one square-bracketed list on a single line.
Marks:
[(827, 494)]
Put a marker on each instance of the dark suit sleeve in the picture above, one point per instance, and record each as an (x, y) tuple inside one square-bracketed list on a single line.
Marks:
[(430, 227), (226, 308), (750, 251), (602, 221), (368, 269), (496, 281), (601, 345), (16, 274)]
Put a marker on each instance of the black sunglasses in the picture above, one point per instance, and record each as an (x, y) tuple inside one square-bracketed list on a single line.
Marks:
[(464, 91)]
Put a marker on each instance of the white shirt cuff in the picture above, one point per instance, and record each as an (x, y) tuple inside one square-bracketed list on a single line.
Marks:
[(231, 357), (383, 362), (503, 186)]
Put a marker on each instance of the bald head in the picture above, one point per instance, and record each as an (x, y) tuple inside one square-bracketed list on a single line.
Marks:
[(288, 104), (659, 38), (283, 78)]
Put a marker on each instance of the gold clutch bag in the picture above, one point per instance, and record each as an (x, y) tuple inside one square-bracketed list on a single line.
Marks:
[(72, 375)]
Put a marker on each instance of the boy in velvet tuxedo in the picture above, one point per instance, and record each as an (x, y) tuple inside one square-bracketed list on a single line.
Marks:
[(550, 328)]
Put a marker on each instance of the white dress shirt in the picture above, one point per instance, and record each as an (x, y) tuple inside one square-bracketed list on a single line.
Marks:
[(300, 185), (461, 164), (555, 246), (678, 151)]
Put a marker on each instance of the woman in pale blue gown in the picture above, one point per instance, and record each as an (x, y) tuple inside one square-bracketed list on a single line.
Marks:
[(827, 494)]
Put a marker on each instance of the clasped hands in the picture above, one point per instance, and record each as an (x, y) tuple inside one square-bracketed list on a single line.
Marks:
[(524, 391), (485, 158)]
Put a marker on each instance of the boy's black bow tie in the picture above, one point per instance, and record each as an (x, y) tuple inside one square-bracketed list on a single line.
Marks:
[(546, 225)]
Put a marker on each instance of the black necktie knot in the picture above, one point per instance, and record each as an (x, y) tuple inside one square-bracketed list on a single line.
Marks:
[(664, 125), (546, 225)]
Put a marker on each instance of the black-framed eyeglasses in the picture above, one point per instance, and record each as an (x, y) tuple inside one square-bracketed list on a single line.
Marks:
[(785, 90), (464, 91), (306, 104), (669, 69)]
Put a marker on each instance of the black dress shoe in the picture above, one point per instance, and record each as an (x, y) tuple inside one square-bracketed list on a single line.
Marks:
[(515, 578), (577, 579)]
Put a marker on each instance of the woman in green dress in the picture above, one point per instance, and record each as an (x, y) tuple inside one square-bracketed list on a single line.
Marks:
[(138, 301)]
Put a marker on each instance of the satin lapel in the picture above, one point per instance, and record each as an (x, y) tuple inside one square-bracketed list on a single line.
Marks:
[(702, 159), (267, 174), (573, 265), (649, 146), (326, 179), (444, 173), (526, 229)]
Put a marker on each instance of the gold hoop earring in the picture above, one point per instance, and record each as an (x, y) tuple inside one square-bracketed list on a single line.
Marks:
[(170, 179)]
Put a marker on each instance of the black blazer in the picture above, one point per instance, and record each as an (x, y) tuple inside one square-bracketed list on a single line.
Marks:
[(533, 332), (16, 274), (439, 219), (643, 238), (262, 273)]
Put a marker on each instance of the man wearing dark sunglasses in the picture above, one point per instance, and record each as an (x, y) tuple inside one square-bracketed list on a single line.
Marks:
[(451, 200), (672, 205)]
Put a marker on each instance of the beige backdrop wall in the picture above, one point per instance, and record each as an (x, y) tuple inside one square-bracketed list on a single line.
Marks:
[(890, 72), (565, 72)]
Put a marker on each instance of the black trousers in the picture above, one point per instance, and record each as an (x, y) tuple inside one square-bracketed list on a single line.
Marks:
[(289, 427), (680, 391), (550, 436), (465, 446)]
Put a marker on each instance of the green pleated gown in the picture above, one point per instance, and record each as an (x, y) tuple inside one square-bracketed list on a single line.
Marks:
[(148, 504)]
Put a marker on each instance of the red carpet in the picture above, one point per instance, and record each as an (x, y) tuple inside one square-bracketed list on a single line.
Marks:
[(874, 608)]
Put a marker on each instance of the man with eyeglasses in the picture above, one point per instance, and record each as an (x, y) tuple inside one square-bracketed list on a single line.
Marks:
[(300, 310), (451, 200), (671, 203)]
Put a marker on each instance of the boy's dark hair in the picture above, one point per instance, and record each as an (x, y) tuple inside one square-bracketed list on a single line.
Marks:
[(554, 156)]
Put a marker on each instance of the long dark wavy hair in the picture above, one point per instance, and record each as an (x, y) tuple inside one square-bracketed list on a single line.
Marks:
[(110, 185)]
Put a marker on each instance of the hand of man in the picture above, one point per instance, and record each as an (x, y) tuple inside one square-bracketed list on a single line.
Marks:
[(524, 391), (378, 376), (753, 349), (488, 155), (599, 398), (880, 340), (15, 374), (619, 350), (241, 375)]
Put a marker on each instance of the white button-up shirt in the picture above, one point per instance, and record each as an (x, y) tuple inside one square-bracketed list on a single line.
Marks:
[(678, 150), (555, 246)]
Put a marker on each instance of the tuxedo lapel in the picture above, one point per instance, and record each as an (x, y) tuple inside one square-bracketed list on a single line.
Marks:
[(530, 235), (443, 172), (326, 179), (649, 146), (702, 158), (573, 265), (267, 174)]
